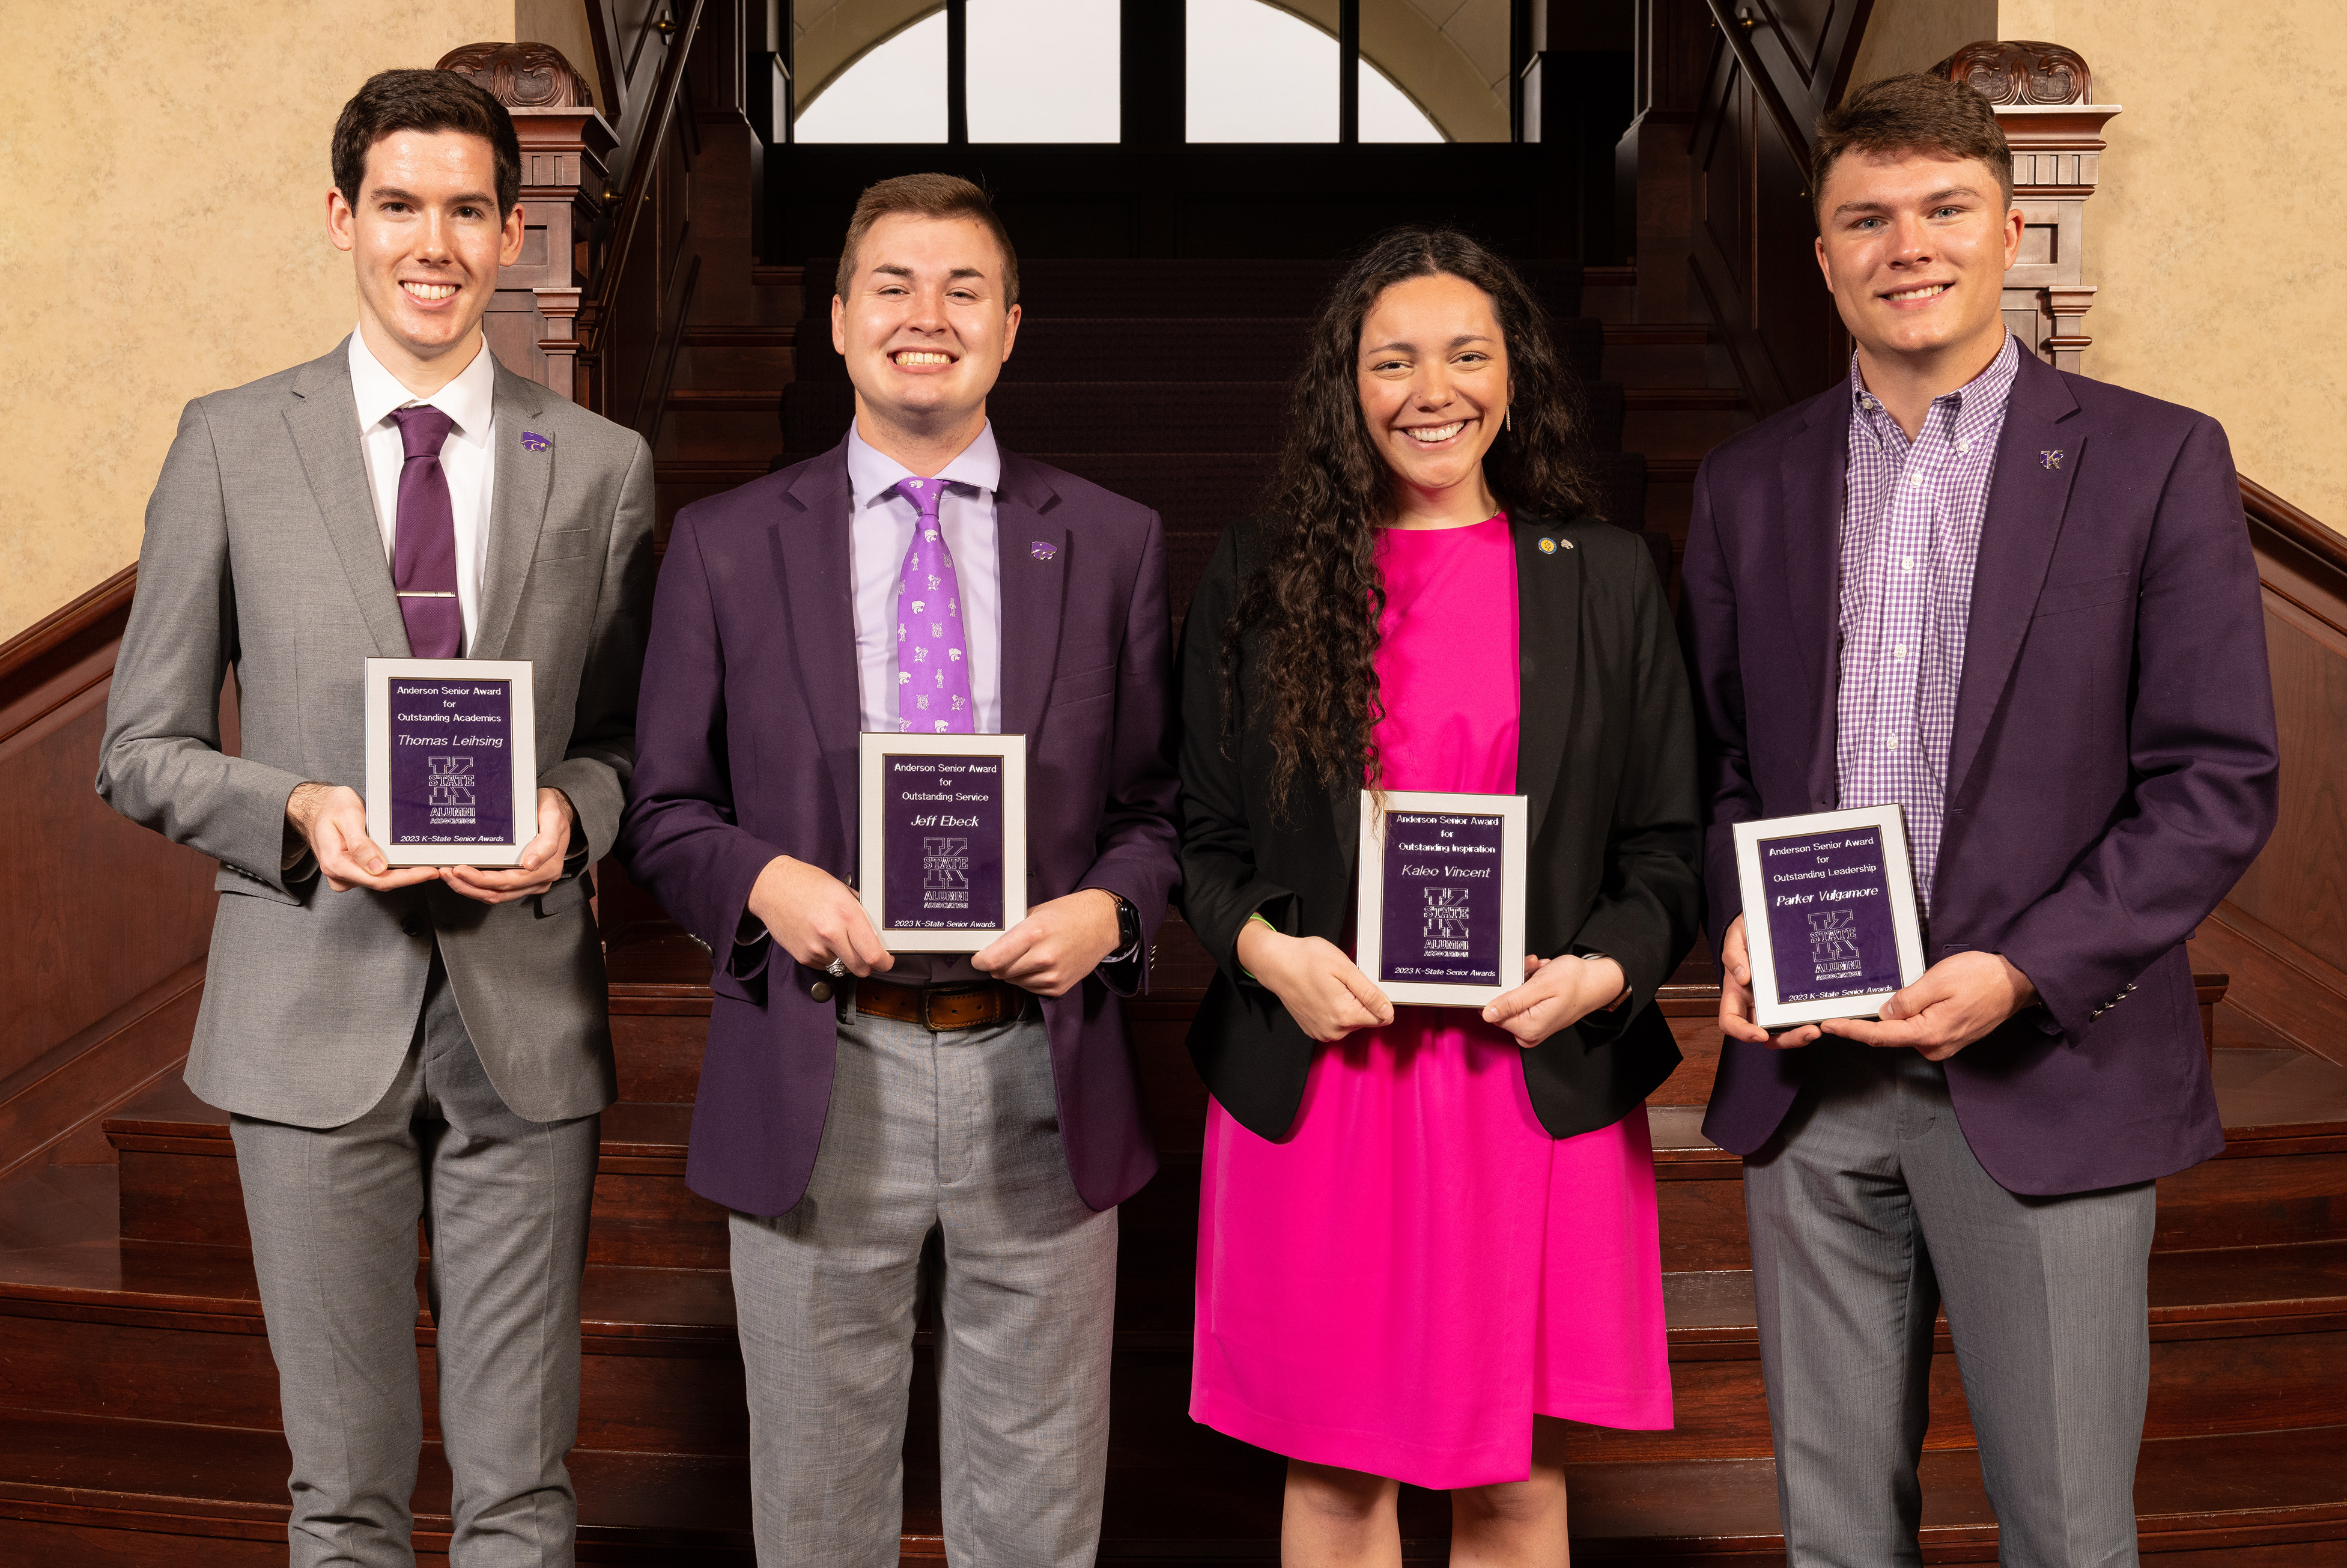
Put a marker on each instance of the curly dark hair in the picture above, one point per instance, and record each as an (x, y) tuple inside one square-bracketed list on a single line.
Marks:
[(1311, 608)]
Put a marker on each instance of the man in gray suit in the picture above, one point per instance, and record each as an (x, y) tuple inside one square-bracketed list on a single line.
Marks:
[(397, 1044)]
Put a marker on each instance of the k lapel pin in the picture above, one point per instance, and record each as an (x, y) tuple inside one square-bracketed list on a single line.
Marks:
[(1040, 551), (2052, 460), (531, 441)]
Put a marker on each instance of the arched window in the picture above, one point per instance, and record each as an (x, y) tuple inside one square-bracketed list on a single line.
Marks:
[(1258, 72), (1039, 70), (1049, 70)]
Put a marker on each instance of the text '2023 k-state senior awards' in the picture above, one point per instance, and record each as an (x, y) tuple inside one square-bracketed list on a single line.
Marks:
[(943, 831), (1442, 898), (451, 761), (1831, 924)]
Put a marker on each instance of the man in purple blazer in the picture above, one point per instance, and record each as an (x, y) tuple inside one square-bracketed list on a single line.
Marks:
[(890, 1127), (2020, 604)]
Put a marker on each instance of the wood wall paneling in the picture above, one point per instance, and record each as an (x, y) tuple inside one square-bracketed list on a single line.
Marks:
[(100, 910), (2282, 931)]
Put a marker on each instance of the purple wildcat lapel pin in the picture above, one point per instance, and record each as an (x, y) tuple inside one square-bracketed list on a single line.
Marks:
[(531, 441), (1042, 551)]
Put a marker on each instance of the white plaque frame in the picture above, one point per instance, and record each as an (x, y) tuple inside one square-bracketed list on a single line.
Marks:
[(871, 852), (521, 743), (1906, 917), (1368, 930)]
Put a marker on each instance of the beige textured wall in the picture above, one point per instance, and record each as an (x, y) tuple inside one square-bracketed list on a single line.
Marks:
[(162, 234), (1916, 35), (2210, 239)]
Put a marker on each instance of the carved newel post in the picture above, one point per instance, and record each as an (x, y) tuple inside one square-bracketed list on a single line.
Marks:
[(565, 148), (2043, 95)]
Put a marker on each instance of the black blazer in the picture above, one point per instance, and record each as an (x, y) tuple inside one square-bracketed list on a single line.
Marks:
[(1606, 755)]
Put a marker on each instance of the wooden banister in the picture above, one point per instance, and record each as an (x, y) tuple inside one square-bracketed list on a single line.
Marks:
[(651, 135)]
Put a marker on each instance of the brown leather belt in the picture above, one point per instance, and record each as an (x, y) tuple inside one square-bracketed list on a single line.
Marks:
[(941, 1007)]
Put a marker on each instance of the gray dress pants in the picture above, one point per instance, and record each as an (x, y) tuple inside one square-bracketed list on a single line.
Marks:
[(954, 1135), (334, 1214), (1866, 1211)]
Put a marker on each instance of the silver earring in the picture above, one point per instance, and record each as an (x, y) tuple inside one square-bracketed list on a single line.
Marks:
[(1508, 418)]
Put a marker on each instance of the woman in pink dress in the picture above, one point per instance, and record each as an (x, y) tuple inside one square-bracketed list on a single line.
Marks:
[(1427, 1234)]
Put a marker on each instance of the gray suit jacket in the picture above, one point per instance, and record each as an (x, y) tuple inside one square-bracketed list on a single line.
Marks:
[(263, 556)]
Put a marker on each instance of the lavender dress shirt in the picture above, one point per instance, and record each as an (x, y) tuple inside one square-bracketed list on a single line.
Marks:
[(1911, 531)]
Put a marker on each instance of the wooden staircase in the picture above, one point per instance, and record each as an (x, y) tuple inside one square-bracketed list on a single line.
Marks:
[(143, 1426)]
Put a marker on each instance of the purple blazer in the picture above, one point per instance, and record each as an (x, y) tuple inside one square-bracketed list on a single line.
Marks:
[(2111, 773), (747, 741)]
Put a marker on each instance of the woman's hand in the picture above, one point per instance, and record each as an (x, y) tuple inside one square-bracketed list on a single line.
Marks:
[(1325, 991), (1556, 992)]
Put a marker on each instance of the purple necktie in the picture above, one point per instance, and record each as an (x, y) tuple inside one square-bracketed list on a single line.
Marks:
[(932, 658), (424, 554)]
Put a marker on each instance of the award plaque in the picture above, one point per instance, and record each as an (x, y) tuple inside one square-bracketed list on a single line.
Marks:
[(1830, 921), (451, 760), (1442, 903), (942, 839)]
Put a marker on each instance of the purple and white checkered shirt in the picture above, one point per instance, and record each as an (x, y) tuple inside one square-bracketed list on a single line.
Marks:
[(1910, 529)]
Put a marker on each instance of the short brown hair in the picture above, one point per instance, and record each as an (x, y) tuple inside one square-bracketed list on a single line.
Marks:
[(1913, 113), (930, 195), (394, 101)]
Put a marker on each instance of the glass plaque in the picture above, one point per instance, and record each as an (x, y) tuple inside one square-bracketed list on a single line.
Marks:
[(1442, 902), (452, 766), (1831, 919), (942, 839)]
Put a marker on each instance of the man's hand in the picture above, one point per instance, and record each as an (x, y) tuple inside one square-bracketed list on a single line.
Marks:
[(541, 858), (817, 919), (1958, 1000), (331, 819), (1736, 997), (1556, 992), (1056, 946), (1325, 991)]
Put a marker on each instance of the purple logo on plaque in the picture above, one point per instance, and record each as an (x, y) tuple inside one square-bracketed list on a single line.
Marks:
[(941, 842), (1441, 924), (451, 771), (1829, 925)]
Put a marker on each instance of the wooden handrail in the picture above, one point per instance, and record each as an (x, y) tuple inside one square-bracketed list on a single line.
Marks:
[(629, 218), (2299, 559), (65, 637), (1731, 30), (2295, 524)]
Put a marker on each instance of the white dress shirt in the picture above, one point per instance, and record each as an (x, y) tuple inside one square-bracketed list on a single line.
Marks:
[(880, 534), (467, 457)]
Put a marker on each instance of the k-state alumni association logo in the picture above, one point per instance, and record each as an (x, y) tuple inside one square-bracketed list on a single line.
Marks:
[(450, 780), (1833, 942), (945, 864), (1445, 914)]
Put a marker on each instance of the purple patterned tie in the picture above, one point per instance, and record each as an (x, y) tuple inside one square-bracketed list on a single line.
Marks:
[(932, 659), (424, 554)]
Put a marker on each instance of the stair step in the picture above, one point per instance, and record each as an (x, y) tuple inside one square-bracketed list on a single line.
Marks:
[(1205, 416), (1204, 287), (1177, 349), (132, 1485), (96, 1491)]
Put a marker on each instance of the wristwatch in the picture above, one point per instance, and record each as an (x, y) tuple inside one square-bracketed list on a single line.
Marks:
[(1128, 929)]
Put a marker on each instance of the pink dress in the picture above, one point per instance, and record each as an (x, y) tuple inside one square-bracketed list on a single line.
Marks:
[(1398, 1284)]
